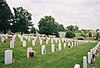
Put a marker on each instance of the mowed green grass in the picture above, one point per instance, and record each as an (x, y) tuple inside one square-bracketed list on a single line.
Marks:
[(97, 62), (66, 58)]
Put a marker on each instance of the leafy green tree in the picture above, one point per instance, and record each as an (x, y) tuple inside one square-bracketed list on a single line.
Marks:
[(84, 32), (70, 34), (76, 28), (97, 36), (5, 16), (90, 34), (61, 27), (48, 26), (70, 28), (22, 20), (97, 30), (33, 30), (73, 28)]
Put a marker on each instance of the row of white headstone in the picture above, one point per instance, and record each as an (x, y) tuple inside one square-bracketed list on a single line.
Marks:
[(33, 43), (41, 39), (9, 55), (85, 60), (74, 43), (43, 48)]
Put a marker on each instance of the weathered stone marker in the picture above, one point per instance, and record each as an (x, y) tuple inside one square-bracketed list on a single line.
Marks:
[(8, 57), (84, 62)]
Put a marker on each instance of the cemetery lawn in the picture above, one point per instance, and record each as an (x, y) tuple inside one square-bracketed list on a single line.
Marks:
[(97, 62), (66, 58)]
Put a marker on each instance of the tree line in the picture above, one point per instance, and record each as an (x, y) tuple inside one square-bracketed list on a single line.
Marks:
[(21, 22)]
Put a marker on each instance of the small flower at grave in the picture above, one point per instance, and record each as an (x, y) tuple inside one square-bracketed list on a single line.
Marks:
[(31, 54)]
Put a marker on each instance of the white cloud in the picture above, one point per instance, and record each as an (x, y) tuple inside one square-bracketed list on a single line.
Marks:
[(84, 13)]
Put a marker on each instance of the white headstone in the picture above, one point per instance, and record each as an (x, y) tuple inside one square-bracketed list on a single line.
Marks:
[(47, 41), (29, 38), (21, 39), (63, 40), (24, 43), (75, 43), (40, 42), (59, 46), (52, 48), (29, 49), (91, 53), (2, 39), (8, 57), (59, 40), (35, 38), (43, 49), (26, 37), (11, 44), (6, 36), (64, 45), (89, 57), (72, 44), (84, 62), (68, 43), (33, 42), (77, 66), (56, 40), (51, 40)]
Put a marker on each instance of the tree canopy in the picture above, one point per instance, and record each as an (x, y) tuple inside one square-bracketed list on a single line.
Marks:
[(70, 31), (48, 26), (72, 28), (61, 27), (5, 16), (22, 20), (70, 34)]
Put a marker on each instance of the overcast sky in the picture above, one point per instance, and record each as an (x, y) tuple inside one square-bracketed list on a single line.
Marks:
[(84, 13)]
